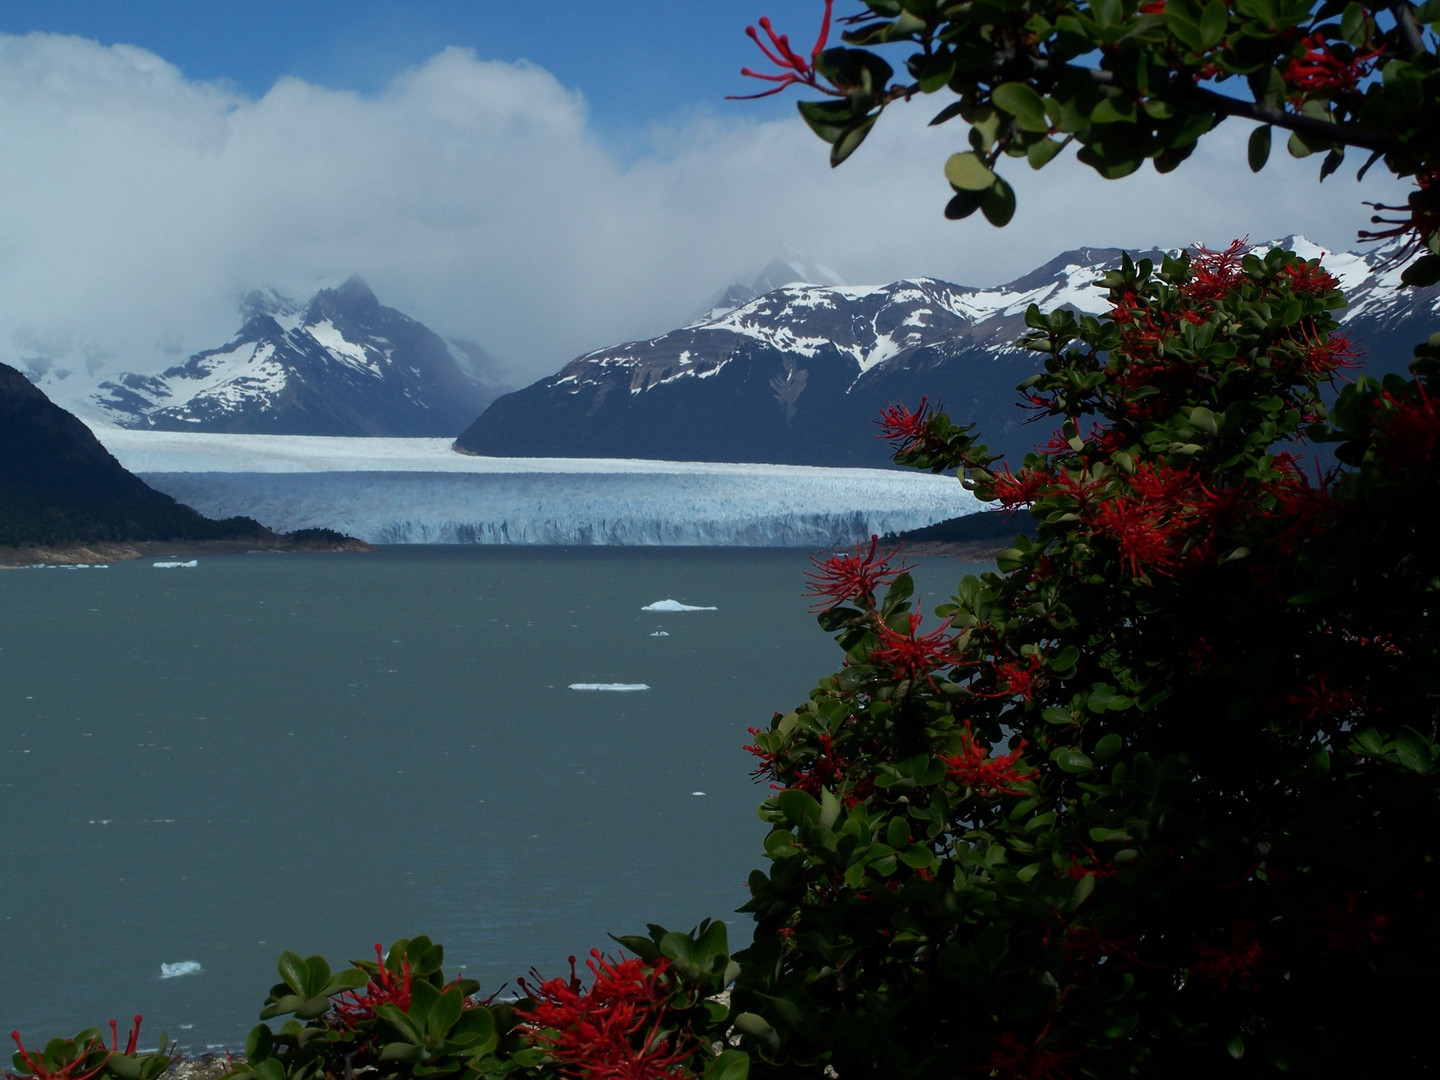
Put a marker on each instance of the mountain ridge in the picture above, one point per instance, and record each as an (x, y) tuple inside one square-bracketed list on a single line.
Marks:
[(799, 374), (341, 364)]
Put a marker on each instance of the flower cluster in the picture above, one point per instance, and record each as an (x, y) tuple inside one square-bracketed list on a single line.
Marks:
[(1407, 429), (386, 987), (984, 775), (617, 1030), (852, 577), (794, 68), (906, 430), (75, 1060), (1319, 70), (911, 655)]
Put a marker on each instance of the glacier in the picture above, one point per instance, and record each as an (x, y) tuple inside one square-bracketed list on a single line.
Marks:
[(420, 491), (568, 509)]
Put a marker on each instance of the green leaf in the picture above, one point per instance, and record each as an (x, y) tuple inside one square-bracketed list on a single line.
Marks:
[(1109, 746), (828, 119), (1214, 22), (1258, 150), (1413, 751), (1022, 102), (966, 172), (1236, 1046), (1422, 272), (1353, 24), (963, 205), (897, 833), (798, 806), (1040, 153), (1071, 760), (730, 1065), (259, 1044), (1296, 145), (848, 143), (292, 971), (998, 204)]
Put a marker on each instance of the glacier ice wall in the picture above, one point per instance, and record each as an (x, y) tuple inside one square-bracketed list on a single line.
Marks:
[(769, 507)]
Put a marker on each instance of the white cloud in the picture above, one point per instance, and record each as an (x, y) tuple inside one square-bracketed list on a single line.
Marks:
[(474, 195)]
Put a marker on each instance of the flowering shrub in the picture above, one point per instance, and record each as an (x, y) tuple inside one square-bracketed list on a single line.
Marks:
[(1127, 82), (1158, 797), (86, 1057), (643, 1017)]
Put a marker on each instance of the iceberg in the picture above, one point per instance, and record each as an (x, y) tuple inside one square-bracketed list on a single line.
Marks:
[(674, 605), (616, 686), (177, 565), (179, 968)]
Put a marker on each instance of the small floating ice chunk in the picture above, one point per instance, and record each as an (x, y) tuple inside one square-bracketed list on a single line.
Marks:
[(697, 793), (661, 633), (619, 686), (174, 565), (675, 605), (180, 967)]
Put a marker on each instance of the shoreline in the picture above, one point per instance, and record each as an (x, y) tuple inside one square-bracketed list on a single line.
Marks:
[(78, 554)]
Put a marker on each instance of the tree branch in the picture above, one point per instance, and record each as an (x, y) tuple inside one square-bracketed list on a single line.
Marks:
[(1409, 30), (1344, 134)]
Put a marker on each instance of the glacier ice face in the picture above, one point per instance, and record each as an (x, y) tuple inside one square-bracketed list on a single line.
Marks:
[(769, 507)]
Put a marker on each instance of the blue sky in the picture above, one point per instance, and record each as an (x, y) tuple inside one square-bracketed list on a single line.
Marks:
[(637, 62), (542, 178)]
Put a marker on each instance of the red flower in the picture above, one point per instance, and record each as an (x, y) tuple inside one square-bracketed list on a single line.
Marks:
[(1319, 699), (1423, 215), (131, 1043), (1334, 352), (1305, 509), (1238, 964), (616, 1031), (1016, 1060), (1145, 537), (1087, 865), (35, 1066), (1407, 430), (984, 775), (842, 577), (1014, 680), (1216, 272), (903, 427), (1320, 69), (794, 67), (826, 769), (1309, 277), (1013, 491), (386, 987), (910, 656)]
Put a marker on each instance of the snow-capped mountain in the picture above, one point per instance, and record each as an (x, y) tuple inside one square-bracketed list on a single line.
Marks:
[(793, 269), (799, 374), (340, 365)]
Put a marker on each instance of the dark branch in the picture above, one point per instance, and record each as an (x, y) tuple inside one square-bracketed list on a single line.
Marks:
[(1409, 29), (1344, 134)]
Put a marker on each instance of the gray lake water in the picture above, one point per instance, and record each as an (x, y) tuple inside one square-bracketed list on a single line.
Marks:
[(204, 767)]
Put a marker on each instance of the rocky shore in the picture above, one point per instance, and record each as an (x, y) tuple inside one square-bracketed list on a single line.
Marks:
[(100, 552)]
